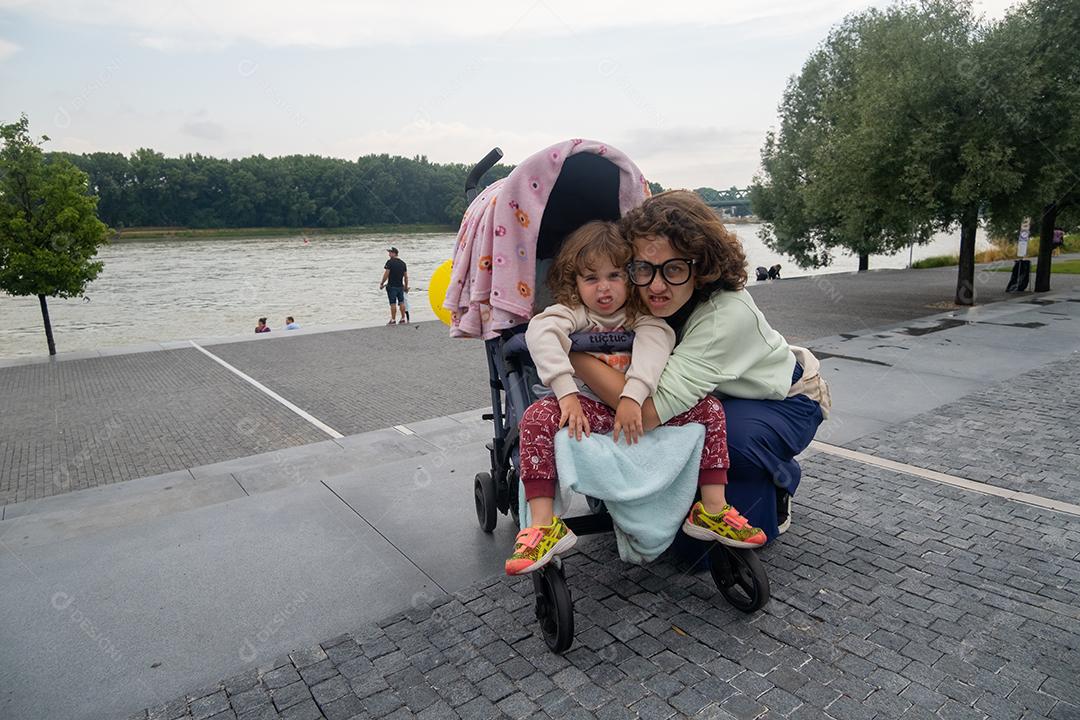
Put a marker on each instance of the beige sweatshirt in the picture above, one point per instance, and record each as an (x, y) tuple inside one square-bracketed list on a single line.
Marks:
[(548, 338)]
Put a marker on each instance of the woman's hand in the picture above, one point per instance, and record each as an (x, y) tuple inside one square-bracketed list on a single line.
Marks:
[(572, 416), (628, 420)]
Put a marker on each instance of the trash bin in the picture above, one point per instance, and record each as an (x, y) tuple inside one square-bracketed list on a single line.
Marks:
[(1021, 275)]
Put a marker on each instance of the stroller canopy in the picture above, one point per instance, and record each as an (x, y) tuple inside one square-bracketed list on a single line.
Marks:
[(522, 219)]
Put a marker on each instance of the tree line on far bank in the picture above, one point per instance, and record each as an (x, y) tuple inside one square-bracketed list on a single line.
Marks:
[(147, 189), (922, 117)]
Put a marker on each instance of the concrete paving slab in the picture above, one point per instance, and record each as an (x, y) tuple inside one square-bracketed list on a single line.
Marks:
[(93, 515), (436, 424), (901, 392), (269, 459), (425, 507), (154, 486), (844, 426), (278, 471), (971, 351), (387, 444), (149, 611), (454, 434), (470, 416)]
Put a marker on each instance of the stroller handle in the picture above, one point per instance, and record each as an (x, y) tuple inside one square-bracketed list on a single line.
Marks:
[(478, 172)]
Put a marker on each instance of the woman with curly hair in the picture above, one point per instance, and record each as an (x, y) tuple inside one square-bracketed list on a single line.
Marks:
[(691, 271), (592, 293)]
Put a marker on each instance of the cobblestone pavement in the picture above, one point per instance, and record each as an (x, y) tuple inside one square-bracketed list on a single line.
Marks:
[(79, 424), (360, 380), (1021, 434), (893, 597)]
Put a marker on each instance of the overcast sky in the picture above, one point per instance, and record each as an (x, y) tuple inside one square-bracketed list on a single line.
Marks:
[(687, 89)]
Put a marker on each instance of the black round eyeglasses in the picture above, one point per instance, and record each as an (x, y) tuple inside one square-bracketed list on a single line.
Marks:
[(675, 271)]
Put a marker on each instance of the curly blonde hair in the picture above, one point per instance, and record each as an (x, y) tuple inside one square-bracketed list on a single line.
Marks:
[(580, 251), (695, 231)]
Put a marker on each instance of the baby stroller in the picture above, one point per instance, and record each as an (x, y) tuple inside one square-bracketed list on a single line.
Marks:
[(587, 188)]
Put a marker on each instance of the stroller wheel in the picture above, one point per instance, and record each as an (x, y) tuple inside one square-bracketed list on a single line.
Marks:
[(739, 576), (554, 608), (484, 495)]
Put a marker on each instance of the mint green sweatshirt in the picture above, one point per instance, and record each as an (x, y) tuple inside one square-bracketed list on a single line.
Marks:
[(727, 347)]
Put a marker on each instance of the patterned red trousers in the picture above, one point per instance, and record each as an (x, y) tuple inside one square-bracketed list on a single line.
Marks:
[(540, 423)]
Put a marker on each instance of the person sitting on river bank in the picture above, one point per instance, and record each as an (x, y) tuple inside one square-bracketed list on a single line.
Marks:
[(291, 324), (262, 327)]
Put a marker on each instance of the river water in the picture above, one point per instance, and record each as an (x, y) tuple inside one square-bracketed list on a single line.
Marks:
[(157, 290)]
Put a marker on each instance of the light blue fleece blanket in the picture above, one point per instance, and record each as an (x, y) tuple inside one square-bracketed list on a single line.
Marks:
[(647, 487)]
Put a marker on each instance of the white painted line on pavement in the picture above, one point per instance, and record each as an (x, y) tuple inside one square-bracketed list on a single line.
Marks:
[(404, 430), (935, 476), (302, 413)]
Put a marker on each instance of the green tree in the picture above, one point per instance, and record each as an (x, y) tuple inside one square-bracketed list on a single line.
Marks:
[(1031, 72), (49, 229), (797, 195), (885, 139)]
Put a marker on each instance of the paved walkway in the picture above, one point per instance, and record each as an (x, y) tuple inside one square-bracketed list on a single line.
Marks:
[(924, 589), (93, 419)]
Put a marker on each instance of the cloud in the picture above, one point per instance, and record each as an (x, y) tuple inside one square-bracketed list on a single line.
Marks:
[(444, 142), (676, 157), (204, 129), (7, 49), (333, 24), (695, 156)]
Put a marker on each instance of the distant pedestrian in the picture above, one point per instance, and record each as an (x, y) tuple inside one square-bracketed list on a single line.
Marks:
[(262, 326), (395, 279), (762, 273), (291, 324), (774, 272)]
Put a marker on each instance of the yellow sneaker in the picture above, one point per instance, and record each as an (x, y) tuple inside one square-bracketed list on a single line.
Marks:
[(535, 546), (727, 527)]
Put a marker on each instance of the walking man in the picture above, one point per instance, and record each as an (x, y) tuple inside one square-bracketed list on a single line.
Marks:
[(395, 279)]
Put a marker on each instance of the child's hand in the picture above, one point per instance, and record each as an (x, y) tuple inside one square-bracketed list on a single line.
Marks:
[(628, 421), (573, 417)]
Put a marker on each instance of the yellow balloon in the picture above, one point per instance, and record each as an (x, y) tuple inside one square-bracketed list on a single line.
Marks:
[(437, 287)]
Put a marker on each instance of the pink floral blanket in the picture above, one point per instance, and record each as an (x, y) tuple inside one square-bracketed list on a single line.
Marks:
[(492, 285)]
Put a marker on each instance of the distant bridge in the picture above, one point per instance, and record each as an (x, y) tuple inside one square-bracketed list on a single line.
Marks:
[(733, 201)]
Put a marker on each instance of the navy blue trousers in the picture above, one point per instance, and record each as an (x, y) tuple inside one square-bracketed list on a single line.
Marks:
[(764, 436)]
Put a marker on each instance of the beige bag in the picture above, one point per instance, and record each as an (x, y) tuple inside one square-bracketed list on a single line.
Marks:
[(811, 384)]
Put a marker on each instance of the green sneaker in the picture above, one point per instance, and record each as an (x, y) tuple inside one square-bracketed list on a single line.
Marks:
[(535, 546), (727, 527)]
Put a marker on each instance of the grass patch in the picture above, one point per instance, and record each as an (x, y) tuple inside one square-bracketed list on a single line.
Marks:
[(1064, 267), (936, 261), (168, 233)]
